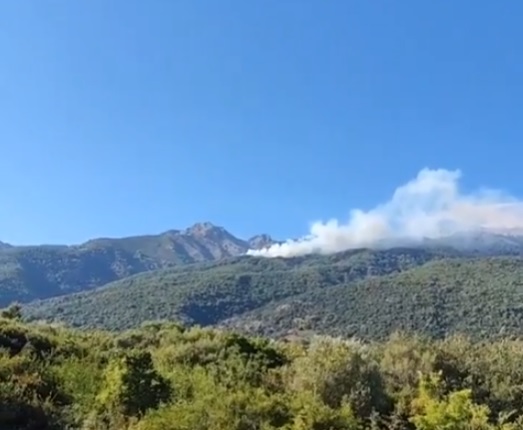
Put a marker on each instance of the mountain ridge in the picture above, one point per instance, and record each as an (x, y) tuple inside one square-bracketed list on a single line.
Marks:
[(367, 294), (4, 245), (35, 272), (206, 293), (480, 238), (43, 272), (198, 228)]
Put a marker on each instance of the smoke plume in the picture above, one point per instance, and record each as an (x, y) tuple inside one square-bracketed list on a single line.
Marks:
[(429, 206)]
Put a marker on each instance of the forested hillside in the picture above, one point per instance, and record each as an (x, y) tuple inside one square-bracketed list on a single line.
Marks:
[(166, 377), (363, 293), (209, 294), (480, 297)]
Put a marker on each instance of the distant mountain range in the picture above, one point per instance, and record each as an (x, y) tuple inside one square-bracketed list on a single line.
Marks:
[(33, 272), (200, 275)]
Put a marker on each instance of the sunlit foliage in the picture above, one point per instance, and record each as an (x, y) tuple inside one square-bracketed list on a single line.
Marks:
[(167, 377)]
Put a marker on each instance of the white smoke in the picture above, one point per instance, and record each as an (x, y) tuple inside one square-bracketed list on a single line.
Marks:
[(429, 206)]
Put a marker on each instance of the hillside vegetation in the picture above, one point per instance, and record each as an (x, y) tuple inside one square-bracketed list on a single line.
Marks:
[(480, 297), (37, 272), (363, 293), (209, 294), (166, 377)]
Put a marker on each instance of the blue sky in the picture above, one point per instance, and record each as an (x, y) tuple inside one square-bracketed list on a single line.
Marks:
[(126, 117)]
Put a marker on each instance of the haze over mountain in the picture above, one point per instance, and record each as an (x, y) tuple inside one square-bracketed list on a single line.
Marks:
[(429, 207)]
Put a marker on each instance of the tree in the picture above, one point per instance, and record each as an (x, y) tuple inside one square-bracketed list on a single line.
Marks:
[(453, 412), (132, 386)]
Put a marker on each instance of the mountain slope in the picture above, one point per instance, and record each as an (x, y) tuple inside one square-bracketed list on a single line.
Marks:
[(210, 293), (362, 293), (480, 297), (4, 245), (482, 242), (34, 272), (37, 272)]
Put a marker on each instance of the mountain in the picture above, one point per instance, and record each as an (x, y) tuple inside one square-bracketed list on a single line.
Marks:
[(260, 241), (33, 272), (199, 275), (362, 293), (210, 293), (482, 241), (478, 297)]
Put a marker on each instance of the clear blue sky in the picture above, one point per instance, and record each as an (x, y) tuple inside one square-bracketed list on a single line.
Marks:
[(123, 117)]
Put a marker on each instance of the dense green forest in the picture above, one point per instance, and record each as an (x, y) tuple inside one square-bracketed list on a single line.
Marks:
[(480, 297), (167, 377), (210, 293), (398, 339), (362, 293)]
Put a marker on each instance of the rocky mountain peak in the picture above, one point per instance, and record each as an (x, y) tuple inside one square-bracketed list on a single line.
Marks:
[(203, 229), (260, 241)]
